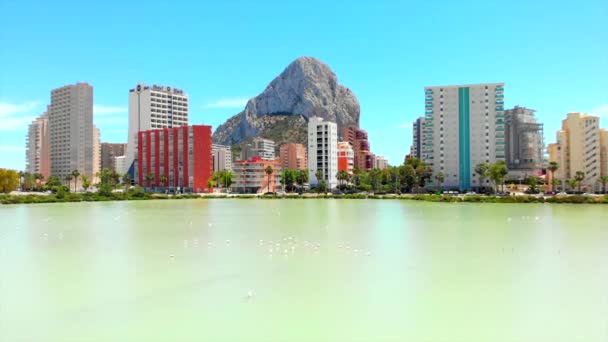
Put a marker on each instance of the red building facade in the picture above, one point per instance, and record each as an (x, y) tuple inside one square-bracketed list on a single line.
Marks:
[(175, 157)]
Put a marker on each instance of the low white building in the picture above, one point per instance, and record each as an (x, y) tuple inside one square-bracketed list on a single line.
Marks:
[(380, 162)]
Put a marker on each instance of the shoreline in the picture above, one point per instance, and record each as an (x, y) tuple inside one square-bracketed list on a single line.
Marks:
[(8, 199)]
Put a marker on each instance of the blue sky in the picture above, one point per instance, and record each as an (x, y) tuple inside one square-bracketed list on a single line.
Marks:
[(552, 55)]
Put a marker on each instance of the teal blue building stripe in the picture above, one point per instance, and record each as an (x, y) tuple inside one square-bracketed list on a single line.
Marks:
[(464, 137)]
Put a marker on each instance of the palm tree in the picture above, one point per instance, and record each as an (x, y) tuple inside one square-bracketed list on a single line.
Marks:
[(356, 173), (554, 182), (553, 166), (319, 175), (163, 180), (126, 179), (149, 178), (343, 176), (498, 172), (482, 172), (603, 180), (302, 177), (21, 179), (39, 179), (439, 178), (75, 174), (68, 179), (268, 170), (580, 177), (572, 183), (86, 183)]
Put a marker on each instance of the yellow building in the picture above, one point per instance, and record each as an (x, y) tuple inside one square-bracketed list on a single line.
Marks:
[(581, 146)]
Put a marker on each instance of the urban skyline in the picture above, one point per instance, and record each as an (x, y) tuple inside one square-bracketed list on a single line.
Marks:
[(554, 68)]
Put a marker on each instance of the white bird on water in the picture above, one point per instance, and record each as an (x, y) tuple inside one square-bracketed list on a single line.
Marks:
[(249, 294)]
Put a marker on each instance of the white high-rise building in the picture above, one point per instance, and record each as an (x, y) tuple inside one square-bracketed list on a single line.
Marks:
[(464, 126), (322, 151), (222, 157), (153, 107), (72, 131)]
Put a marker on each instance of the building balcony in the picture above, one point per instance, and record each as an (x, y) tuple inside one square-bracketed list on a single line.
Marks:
[(429, 105), (500, 102), (500, 96), (430, 111), (428, 92), (428, 98), (500, 88)]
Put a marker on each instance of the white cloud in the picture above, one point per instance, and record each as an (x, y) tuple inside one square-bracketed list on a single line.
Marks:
[(406, 125), (99, 109), (601, 110), (7, 109), (228, 103), (12, 148), (15, 124), (16, 116)]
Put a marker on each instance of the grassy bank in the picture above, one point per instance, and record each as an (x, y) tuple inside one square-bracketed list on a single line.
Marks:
[(140, 195)]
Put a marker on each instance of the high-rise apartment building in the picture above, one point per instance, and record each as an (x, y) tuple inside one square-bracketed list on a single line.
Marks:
[(464, 126), (417, 130), (293, 157), (96, 154), (357, 137), (222, 157), (175, 157), (109, 152), (581, 146), (322, 151), (37, 144), (259, 147), (72, 134), (524, 143), (153, 107)]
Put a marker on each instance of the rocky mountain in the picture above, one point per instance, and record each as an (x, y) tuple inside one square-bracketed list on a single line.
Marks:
[(306, 88)]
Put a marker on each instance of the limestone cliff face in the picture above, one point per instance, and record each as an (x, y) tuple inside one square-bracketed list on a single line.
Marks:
[(305, 89)]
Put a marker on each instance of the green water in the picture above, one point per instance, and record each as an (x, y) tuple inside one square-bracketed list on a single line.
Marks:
[(343, 270)]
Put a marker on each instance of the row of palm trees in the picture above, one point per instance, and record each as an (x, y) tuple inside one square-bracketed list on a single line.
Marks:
[(575, 182), (30, 181)]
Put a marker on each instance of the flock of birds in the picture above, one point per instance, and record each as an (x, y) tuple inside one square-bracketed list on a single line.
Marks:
[(286, 246)]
